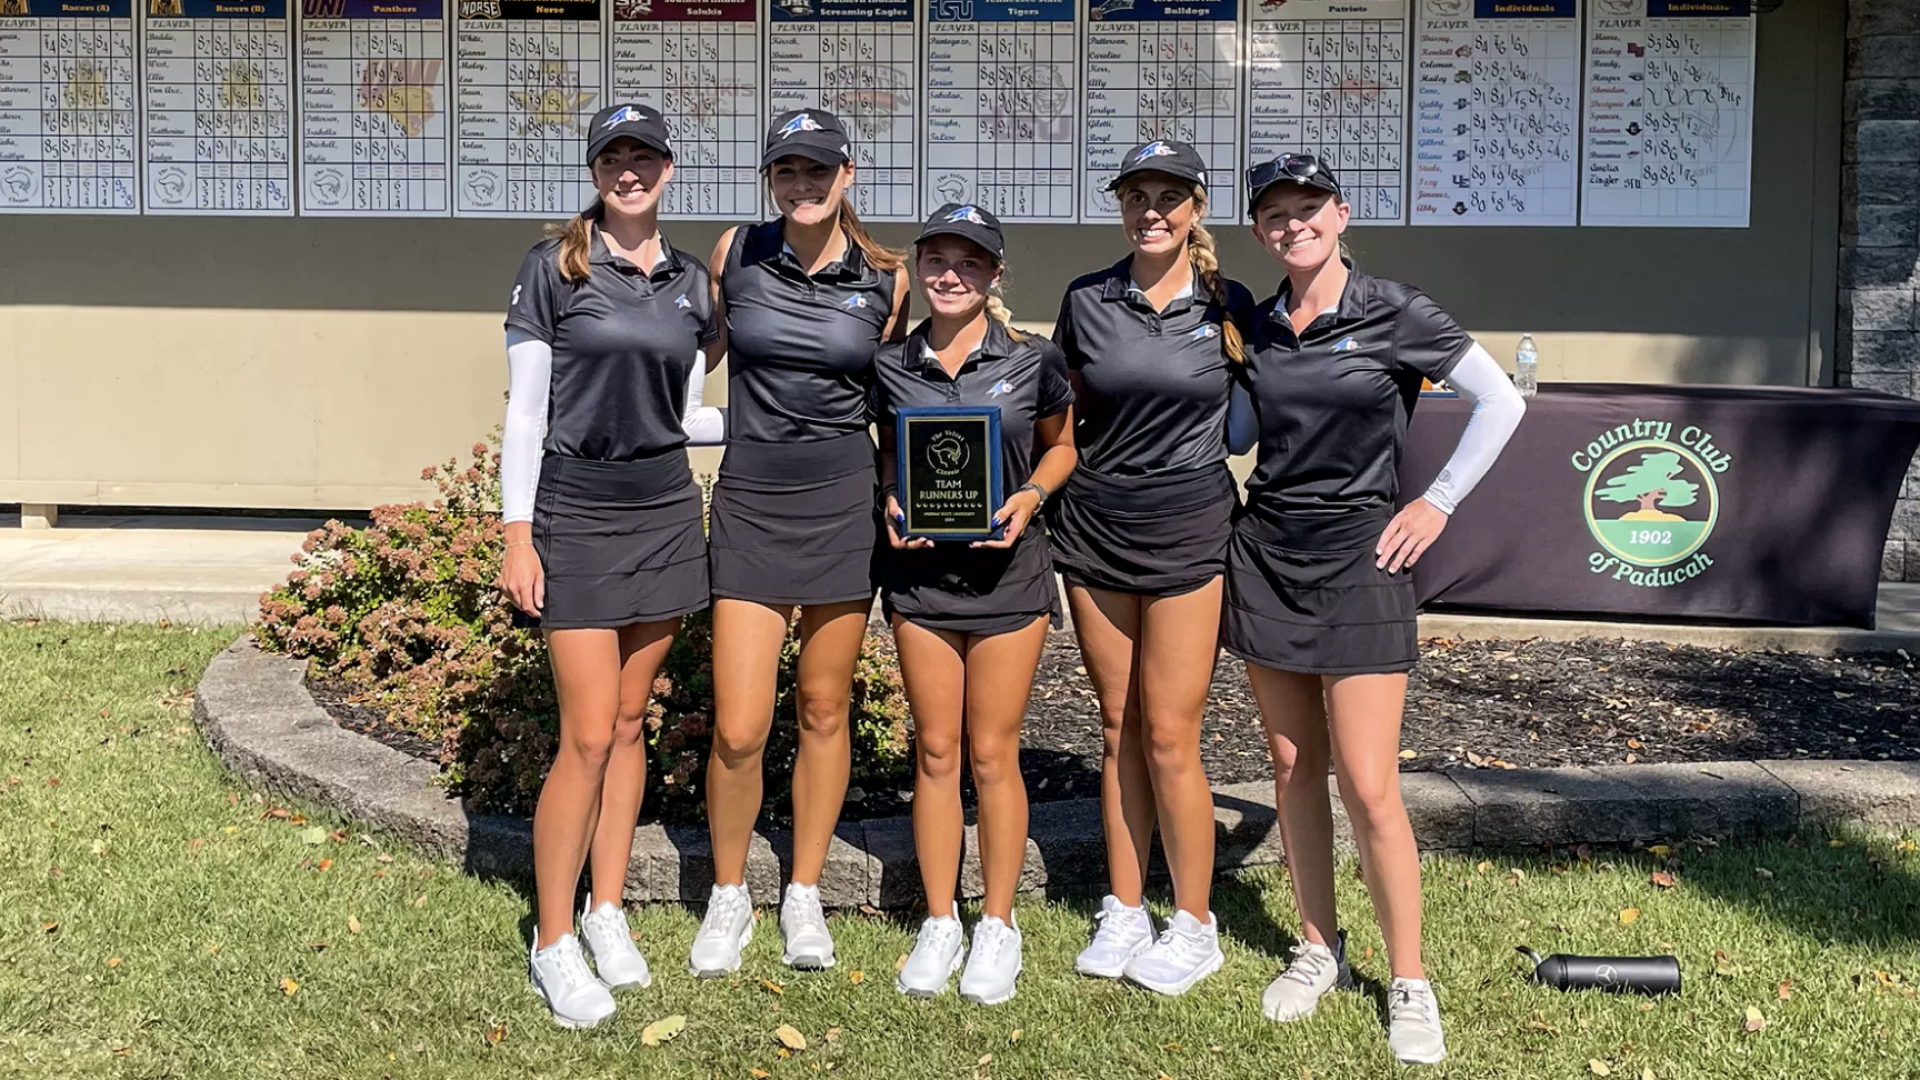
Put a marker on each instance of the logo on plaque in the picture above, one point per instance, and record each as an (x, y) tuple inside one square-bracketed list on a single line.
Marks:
[(947, 453), (1651, 501)]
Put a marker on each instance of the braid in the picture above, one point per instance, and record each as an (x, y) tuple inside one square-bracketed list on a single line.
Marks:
[(576, 241), (997, 311), (1206, 261)]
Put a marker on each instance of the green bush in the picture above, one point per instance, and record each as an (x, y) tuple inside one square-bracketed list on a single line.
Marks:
[(406, 611)]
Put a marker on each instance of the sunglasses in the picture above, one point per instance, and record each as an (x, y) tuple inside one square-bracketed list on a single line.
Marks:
[(1303, 168)]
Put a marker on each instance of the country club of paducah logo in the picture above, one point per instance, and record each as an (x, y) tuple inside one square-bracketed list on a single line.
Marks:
[(1651, 501)]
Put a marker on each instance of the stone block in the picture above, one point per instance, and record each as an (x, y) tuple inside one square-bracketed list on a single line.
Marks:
[(1071, 842), (1893, 562), (895, 882), (843, 879), (1881, 99), (1906, 519), (1880, 183), (1912, 561), (1883, 350), (1880, 794), (1867, 267), (1531, 808), (1887, 140), (1878, 309), (680, 864), (1878, 18), (1889, 57), (1246, 829), (973, 880), (1722, 799), (1898, 383), (1881, 226)]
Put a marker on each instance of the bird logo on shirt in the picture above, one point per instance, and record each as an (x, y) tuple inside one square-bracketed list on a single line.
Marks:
[(858, 300), (1153, 149), (682, 301), (967, 213), (1205, 331), (803, 122), (1346, 344), (1001, 387)]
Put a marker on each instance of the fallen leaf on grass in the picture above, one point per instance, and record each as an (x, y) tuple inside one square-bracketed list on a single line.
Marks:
[(1598, 1067), (1482, 867), (353, 924), (1409, 755), (1647, 1073), (1015, 1037), (790, 1037), (317, 946), (1723, 965), (1660, 851), (663, 1029), (900, 963), (231, 829), (326, 864), (48, 928), (1763, 873), (856, 977), (1662, 879), (1628, 915), (985, 1060), (122, 1051), (497, 1034), (383, 857), (194, 845), (1516, 875), (212, 947), (422, 901), (1755, 1021), (288, 987), (1836, 843), (773, 986), (113, 962), (833, 1034), (1171, 1048), (313, 836), (758, 1074), (1785, 991)]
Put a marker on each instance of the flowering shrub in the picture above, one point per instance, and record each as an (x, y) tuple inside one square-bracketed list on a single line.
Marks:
[(407, 611)]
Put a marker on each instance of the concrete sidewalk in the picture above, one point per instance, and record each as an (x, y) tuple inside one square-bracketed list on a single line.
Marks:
[(212, 570)]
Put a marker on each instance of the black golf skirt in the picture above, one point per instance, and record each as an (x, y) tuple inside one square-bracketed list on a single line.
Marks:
[(1303, 594), (620, 541), (977, 591), (795, 523), (1157, 536)]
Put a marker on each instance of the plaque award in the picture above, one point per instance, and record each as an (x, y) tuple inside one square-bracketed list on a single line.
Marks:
[(949, 471)]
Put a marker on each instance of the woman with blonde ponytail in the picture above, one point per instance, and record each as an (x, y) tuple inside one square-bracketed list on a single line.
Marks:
[(1140, 535), (805, 299), (971, 619)]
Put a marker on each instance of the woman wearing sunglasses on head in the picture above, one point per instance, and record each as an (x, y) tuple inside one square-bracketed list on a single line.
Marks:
[(803, 301), (971, 618), (1140, 535), (1320, 599), (604, 544)]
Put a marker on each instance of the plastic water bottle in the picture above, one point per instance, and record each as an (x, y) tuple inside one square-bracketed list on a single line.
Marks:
[(1526, 367)]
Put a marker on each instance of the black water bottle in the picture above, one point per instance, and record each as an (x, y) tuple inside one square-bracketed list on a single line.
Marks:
[(1618, 974)]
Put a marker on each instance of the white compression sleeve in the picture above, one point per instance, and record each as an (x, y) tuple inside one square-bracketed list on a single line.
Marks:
[(1497, 408), (1243, 424), (705, 426), (529, 382)]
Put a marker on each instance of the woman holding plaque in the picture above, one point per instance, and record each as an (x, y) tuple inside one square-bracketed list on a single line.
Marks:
[(804, 301), (970, 616), (604, 544), (1320, 600), (1140, 535)]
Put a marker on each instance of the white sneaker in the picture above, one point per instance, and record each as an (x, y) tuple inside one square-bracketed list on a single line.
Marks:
[(1413, 1023), (726, 930), (935, 957), (993, 963), (616, 959), (804, 926), (1124, 933), (1315, 971), (560, 976), (1187, 952)]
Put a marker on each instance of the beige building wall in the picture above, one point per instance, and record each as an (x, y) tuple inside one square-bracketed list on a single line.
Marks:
[(318, 364)]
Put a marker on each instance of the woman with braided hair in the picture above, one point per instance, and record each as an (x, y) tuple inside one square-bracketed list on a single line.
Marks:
[(1140, 534)]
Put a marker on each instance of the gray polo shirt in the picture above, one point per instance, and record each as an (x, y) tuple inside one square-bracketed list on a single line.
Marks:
[(800, 347), (624, 341), (1153, 384)]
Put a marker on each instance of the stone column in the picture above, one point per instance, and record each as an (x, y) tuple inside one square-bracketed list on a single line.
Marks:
[(1879, 334)]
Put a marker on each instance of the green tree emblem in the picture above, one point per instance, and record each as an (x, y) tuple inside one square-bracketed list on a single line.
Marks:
[(1654, 482)]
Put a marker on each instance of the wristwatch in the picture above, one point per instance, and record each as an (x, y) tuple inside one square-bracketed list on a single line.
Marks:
[(1037, 490)]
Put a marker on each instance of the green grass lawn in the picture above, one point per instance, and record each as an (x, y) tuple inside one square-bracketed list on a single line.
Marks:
[(157, 921)]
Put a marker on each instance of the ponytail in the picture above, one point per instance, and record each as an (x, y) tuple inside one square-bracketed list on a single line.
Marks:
[(997, 311), (575, 257), (878, 256), (1206, 262)]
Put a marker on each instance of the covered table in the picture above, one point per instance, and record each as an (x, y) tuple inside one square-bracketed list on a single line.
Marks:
[(1753, 504)]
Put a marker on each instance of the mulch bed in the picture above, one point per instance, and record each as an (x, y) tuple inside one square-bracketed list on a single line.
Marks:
[(1475, 704)]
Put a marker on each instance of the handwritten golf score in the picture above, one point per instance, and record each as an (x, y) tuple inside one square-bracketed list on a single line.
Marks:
[(1001, 107), (527, 81), (1669, 113), (1162, 69), (698, 62), (373, 108), (1329, 78), (1496, 138), (67, 124), (859, 59), (217, 84)]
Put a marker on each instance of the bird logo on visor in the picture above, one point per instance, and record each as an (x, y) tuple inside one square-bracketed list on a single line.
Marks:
[(800, 123), (626, 114), (967, 213), (1153, 149)]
